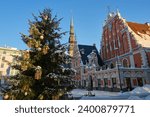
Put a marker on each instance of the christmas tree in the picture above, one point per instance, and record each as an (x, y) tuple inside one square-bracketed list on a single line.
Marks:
[(42, 71)]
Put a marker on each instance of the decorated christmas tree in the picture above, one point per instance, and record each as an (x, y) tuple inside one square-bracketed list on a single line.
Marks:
[(42, 71)]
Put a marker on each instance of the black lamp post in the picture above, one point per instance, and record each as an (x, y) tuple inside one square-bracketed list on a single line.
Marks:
[(119, 73), (119, 69)]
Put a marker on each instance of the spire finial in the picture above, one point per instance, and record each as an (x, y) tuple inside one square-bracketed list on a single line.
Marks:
[(71, 22), (71, 26)]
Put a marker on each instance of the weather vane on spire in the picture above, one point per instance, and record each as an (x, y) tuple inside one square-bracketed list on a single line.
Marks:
[(108, 8)]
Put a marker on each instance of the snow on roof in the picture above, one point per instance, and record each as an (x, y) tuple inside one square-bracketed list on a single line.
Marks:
[(141, 33)]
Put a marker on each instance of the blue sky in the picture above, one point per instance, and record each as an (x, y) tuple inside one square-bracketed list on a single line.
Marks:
[(89, 16)]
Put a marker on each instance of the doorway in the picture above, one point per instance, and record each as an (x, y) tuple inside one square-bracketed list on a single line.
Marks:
[(90, 84), (140, 81), (128, 82)]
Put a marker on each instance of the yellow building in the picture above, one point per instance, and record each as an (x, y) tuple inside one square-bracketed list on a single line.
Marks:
[(6, 54)]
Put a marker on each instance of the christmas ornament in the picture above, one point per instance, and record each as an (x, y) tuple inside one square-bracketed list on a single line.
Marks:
[(24, 67), (38, 73), (41, 37), (25, 87), (41, 97), (29, 43), (6, 97), (45, 49), (39, 49), (25, 93), (45, 16), (34, 31), (37, 44), (26, 55)]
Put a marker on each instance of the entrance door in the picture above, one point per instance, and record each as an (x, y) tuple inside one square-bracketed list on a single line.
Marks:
[(140, 81), (114, 82), (90, 84), (128, 81)]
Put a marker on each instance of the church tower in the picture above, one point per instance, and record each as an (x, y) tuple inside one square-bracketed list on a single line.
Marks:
[(71, 38)]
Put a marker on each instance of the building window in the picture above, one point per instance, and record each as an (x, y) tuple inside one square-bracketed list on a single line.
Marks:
[(4, 52), (0, 73), (3, 58), (114, 81), (105, 82), (2, 65), (125, 63), (99, 83)]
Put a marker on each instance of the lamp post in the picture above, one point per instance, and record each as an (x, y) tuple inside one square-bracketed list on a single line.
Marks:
[(119, 73), (118, 68)]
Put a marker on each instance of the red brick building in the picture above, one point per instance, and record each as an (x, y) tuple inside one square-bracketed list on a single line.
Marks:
[(125, 49)]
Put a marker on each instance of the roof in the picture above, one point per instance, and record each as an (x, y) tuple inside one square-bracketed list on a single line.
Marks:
[(87, 50), (141, 33), (141, 28)]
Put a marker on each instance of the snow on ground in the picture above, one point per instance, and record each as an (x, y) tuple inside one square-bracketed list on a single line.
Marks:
[(99, 95), (136, 94), (147, 97), (140, 92), (134, 98)]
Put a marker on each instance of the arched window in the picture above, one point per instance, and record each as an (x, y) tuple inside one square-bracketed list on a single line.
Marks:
[(125, 63)]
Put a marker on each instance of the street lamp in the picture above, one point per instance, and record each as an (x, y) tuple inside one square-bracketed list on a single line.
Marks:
[(119, 73), (118, 63)]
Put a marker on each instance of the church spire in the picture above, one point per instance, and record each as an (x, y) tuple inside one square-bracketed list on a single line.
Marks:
[(71, 27), (71, 38)]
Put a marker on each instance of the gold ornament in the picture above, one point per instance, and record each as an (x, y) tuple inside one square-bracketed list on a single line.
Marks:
[(41, 37), (38, 73), (45, 49), (6, 96), (41, 97), (34, 31), (25, 93), (37, 44), (25, 87), (24, 66), (26, 55), (45, 17), (29, 43), (39, 49)]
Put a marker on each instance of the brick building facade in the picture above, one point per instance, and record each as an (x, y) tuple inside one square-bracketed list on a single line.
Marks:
[(125, 49)]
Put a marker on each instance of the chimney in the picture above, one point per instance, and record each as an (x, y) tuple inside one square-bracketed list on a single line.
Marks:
[(94, 44)]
